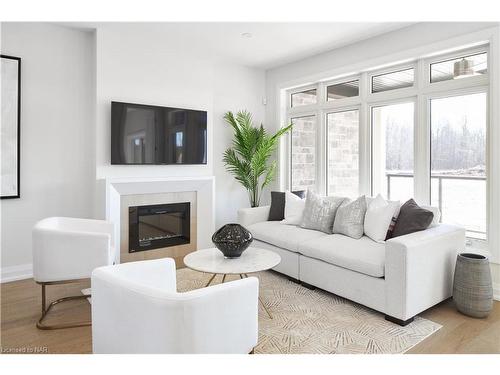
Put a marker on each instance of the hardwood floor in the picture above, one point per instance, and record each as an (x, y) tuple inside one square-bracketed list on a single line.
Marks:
[(21, 308), (461, 334), (21, 301)]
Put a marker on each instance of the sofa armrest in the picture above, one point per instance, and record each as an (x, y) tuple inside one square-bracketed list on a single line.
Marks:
[(249, 216), (419, 269)]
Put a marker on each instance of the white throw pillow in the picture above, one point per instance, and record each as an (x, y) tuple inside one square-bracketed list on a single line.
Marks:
[(378, 218), (294, 209)]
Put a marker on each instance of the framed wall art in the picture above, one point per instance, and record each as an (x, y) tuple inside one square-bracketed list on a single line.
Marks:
[(10, 132)]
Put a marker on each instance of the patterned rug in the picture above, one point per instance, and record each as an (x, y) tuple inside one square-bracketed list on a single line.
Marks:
[(314, 321)]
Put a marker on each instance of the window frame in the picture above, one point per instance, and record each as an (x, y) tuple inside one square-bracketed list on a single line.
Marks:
[(340, 81), (420, 93), (403, 100), (394, 69), (298, 90), (470, 90), (479, 79)]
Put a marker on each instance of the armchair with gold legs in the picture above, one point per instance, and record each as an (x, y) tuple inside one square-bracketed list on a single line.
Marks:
[(67, 250)]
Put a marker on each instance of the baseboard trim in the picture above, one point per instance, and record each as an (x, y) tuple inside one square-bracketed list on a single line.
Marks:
[(13, 273)]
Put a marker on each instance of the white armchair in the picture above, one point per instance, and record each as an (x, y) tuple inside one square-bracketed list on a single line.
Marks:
[(66, 250), (136, 309)]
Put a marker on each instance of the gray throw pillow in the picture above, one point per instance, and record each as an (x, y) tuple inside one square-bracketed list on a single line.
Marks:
[(350, 218), (319, 212), (412, 218)]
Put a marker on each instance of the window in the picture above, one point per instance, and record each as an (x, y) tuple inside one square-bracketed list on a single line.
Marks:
[(461, 67), (303, 152), (179, 147), (343, 153), (394, 80), (303, 98), (458, 161), (392, 151), (342, 90), (377, 132)]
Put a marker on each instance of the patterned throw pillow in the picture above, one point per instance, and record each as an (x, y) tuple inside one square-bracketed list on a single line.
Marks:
[(319, 212), (350, 218)]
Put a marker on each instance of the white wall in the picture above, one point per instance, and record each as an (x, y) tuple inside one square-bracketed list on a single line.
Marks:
[(69, 78), (57, 133), (236, 88), (135, 65)]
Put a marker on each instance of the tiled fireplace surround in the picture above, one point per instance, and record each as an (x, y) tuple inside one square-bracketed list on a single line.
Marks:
[(121, 193)]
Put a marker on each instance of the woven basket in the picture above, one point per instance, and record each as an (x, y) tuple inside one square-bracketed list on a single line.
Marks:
[(472, 288)]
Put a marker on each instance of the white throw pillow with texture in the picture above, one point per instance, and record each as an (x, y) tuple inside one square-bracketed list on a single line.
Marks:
[(294, 209), (378, 218)]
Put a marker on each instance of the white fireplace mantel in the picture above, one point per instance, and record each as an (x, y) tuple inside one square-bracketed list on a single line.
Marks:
[(203, 186)]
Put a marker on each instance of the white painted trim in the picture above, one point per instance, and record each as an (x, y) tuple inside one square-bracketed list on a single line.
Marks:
[(13, 273), (444, 46), (203, 186)]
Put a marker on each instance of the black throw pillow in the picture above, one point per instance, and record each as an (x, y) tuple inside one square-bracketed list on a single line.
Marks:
[(411, 218), (277, 209)]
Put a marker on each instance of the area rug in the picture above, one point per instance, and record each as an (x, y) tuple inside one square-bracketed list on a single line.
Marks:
[(314, 321)]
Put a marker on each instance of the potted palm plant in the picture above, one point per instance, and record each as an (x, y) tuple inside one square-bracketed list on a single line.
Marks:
[(248, 158)]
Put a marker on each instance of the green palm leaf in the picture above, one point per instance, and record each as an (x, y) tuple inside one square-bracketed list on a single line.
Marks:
[(248, 158)]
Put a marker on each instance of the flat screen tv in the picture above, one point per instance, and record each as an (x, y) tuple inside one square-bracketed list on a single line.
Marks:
[(148, 134)]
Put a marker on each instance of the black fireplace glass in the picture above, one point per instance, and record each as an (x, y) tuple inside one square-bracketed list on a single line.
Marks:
[(158, 226)]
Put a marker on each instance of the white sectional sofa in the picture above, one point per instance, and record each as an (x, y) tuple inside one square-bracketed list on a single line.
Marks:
[(400, 278)]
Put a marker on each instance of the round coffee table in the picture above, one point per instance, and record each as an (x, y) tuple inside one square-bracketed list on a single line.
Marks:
[(252, 260)]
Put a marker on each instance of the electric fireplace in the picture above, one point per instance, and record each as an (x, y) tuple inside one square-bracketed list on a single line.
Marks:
[(157, 226)]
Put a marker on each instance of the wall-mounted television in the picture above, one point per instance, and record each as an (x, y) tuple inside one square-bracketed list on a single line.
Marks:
[(148, 134)]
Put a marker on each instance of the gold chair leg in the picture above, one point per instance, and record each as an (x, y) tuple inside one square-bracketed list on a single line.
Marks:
[(45, 311)]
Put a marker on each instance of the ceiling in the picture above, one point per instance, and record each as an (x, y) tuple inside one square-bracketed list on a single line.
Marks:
[(270, 44)]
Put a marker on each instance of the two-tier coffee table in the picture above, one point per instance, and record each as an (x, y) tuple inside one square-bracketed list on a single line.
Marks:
[(252, 260)]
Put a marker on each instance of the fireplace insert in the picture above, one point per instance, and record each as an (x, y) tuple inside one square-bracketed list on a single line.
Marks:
[(159, 225)]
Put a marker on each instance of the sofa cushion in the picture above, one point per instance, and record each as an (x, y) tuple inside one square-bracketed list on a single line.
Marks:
[(285, 236), (364, 255)]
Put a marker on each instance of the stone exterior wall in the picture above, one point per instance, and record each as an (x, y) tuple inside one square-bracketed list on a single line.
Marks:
[(304, 153), (343, 153)]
